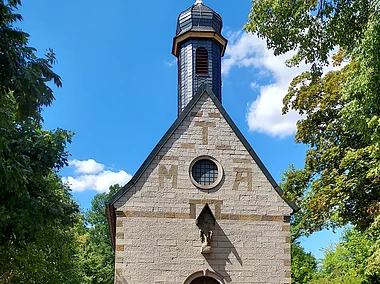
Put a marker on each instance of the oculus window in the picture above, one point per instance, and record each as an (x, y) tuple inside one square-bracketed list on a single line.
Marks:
[(205, 172)]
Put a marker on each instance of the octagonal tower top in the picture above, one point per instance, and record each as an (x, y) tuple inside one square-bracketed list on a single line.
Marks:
[(202, 20), (199, 47)]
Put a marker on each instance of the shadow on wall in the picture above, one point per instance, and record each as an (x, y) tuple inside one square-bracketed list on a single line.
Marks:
[(120, 279), (223, 252)]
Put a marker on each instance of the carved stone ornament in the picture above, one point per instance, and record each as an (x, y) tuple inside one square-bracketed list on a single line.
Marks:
[(206, 223), (206, 242)]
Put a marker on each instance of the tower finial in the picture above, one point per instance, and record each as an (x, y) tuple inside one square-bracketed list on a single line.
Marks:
[(198, 2)]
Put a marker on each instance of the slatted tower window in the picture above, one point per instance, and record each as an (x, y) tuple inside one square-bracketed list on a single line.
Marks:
[(201, 61)]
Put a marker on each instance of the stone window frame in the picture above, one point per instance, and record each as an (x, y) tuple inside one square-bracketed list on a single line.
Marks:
[(204, 273), (218, 179)]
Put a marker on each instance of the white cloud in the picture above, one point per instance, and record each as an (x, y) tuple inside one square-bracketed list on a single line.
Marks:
[(170, 63), (89, 166), (91, 175), (265, 113), (254, 85)]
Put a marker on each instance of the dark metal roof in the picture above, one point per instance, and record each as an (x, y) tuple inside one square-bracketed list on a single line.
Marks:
[(203, 89), (199, 17)]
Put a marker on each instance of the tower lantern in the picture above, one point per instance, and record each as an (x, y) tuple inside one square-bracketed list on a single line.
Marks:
[(199, 47)]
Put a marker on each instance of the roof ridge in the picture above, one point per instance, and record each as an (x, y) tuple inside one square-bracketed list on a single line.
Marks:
[(204, 88), (160, 144)]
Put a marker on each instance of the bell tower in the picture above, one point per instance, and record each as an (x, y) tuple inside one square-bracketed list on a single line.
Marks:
[(199, 47)]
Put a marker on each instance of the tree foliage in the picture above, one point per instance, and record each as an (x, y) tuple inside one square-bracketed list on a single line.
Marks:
[(37, 213), (21, 71), (372, 263), (312, 28), (303, 265), (340, 182), (51, 258), (349, 261), (96, 254), (32, 194), (43, 238)]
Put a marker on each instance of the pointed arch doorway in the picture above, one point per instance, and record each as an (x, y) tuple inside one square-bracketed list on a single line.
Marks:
[(204, 280)]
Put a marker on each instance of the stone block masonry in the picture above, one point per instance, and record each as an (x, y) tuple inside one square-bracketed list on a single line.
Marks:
[(157, 238)]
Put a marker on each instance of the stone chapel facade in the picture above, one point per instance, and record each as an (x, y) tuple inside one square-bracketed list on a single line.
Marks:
[(202, 209)]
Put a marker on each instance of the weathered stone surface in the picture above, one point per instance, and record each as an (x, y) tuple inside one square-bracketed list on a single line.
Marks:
[(158, 239)]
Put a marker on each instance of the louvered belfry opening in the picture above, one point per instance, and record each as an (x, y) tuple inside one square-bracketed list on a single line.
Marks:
[(201, 61)]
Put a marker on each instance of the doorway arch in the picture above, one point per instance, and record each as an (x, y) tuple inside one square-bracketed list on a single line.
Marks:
[(204, 280), (204, 277)]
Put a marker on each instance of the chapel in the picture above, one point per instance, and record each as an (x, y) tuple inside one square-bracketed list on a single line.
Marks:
[(202, 208)]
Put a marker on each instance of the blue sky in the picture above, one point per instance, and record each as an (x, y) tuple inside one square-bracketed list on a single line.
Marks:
[(119, 90)]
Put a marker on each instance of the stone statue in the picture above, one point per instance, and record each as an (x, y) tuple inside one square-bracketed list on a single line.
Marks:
[(206, 242)]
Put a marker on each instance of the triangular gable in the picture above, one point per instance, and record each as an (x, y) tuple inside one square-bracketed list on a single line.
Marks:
[(203, 89)]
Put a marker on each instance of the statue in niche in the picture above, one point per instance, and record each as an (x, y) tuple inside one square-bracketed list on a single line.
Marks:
[(206, 223), (206, 242)]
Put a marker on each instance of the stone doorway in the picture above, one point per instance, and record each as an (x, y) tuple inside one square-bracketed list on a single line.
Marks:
[(204, 280)]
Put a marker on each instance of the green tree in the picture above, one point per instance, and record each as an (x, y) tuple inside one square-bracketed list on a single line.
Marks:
[(36, 209), (312, 28), (347, 261), (350, 277), (51, 258), (303, 265), (372, 263), (21, 71), (340, 182), (97, 256), (37, 213), (32, 194)]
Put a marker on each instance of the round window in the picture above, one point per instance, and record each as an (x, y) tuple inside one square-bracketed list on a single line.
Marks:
[(205, 172)]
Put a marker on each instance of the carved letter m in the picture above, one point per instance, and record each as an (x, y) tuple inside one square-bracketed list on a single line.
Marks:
[(165, 174)]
